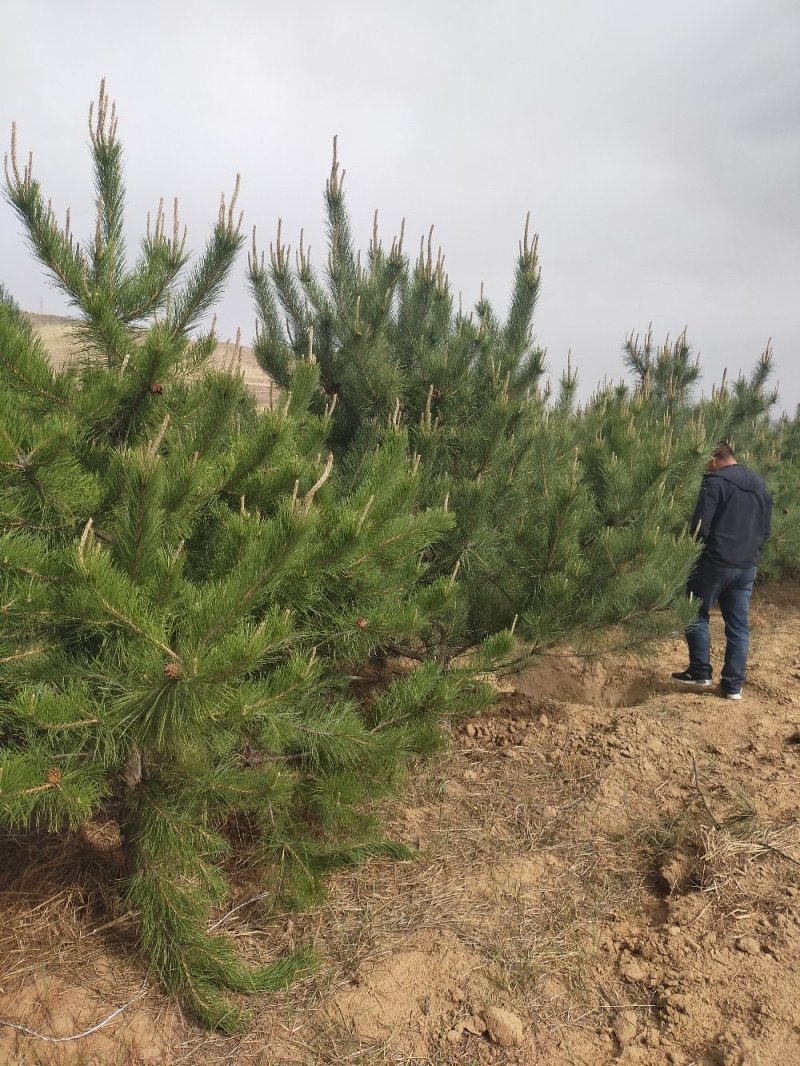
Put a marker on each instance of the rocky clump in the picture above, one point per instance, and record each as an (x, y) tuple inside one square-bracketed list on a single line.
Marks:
[(502, 1027)]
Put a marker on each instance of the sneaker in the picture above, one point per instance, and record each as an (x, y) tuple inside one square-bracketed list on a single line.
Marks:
[(733, 695), (684, 677)]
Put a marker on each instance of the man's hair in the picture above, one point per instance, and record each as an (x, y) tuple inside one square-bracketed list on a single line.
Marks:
[(723, 451)]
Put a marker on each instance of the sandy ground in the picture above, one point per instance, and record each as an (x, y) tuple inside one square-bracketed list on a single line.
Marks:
[(608, 870), (58, 336)]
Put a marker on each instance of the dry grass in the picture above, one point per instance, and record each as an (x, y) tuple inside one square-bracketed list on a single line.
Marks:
[(57, 894), (717, 845), (551, 841), (518, 876), (61, 903)]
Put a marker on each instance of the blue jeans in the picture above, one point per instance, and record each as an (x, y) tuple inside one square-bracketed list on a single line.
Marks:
[(730, 587)]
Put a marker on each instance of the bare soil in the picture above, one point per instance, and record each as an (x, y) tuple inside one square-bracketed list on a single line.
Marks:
[(63, 344), (608, 870)]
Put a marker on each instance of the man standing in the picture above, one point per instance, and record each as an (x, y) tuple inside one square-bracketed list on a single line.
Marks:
[(732, 518)]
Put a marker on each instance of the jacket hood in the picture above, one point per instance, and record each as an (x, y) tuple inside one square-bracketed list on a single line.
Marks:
[(741, 476)]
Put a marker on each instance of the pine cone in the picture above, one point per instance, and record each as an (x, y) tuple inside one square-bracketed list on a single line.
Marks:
[(362, 623), (172, 671), (156, 389), (54, 776)]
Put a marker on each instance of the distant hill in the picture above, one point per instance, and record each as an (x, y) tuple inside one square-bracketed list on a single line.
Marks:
[(58, 335)]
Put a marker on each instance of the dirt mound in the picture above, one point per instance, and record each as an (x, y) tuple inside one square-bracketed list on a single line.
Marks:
[(608, 870), (63, 344), (599, 683), (402, 999)]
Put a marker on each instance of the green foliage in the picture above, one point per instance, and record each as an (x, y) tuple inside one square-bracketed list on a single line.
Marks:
[(668, 373), (740, 413), (771, 446), (203, 604), (188, 587), (777, 453), (566, 520)]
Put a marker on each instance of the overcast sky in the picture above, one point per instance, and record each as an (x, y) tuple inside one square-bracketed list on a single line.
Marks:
[(656, 146)]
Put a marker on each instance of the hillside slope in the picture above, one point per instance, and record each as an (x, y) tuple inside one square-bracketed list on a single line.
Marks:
[(59, 337)]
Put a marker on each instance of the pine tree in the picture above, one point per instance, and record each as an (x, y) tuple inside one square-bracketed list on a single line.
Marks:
[(770, 445), (739, 412), (776, 453), (565, 519), (187, 585), (667, 374)]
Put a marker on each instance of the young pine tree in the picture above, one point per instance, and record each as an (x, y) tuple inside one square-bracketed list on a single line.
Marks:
[(186, 585), (776, 453), (770, 445), (541, 535), (739, 412)]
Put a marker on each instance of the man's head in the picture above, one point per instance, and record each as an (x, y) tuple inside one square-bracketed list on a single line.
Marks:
[(721, 456)]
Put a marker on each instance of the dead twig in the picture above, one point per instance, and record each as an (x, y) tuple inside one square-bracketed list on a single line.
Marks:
[(701, 794), (233, 910), (718, 825), (86, 1032)]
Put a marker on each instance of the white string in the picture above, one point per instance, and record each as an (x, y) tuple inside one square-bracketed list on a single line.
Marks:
[(76, 1036)]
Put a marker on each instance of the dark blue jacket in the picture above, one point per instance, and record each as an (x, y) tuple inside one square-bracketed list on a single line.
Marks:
[(733, 516)]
